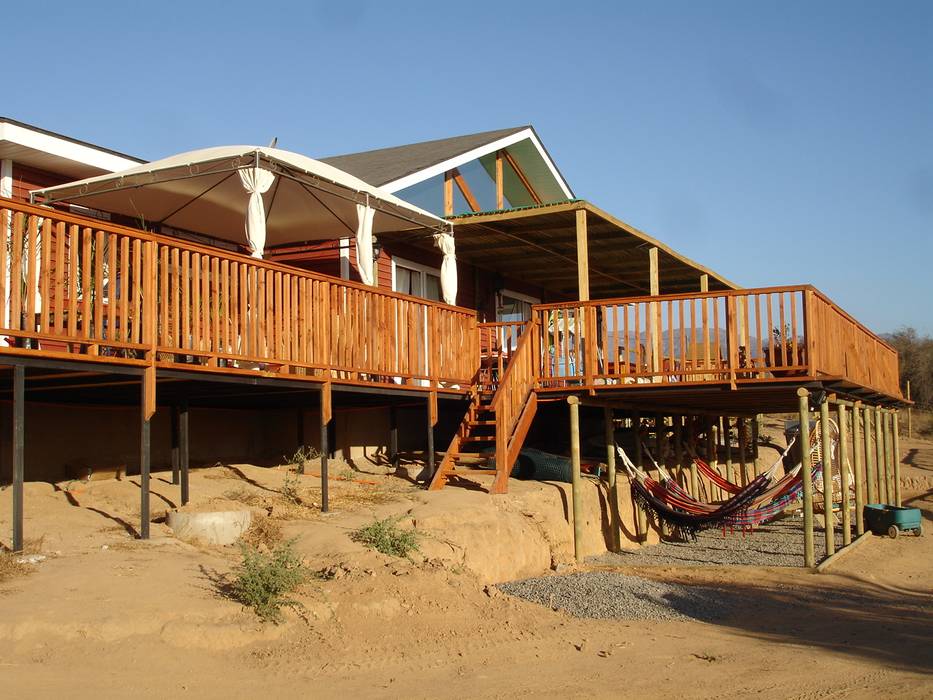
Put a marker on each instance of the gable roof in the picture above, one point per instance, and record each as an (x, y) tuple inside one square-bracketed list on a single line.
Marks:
[(398, 167), (385, 165)]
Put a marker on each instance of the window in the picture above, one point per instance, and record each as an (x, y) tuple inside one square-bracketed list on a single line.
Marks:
[(415, 279), (514, 306)]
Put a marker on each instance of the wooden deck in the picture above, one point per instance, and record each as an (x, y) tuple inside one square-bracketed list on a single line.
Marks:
[(82, 288), (739, 337)]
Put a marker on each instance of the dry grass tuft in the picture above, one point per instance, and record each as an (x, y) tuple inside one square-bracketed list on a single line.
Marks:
[(11, 568), (246, 497), (263, 532)]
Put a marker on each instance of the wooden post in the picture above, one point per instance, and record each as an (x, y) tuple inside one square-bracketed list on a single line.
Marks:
[(694, 476), (144, 456), (393, 437), (712, 449), (583, 258), (704, 282), (448, 193), (897, 461), (575, 477), (870, 471), (654, 285), (326, 409), (909, 417), (614, 525), (858, 451), (641, 518), (803, 432), (183, 449), (827, 460), (844, 475), (176, 464), (879, 457), (19, 425), (743, 448), (887, 446), (726, 433), (659, 455), (678, 446), (500, 189)]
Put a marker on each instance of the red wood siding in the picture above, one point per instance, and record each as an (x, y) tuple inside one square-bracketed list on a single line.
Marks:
[(26, 179)]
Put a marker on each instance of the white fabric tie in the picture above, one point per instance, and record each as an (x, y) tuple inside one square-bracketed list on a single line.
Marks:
[(257, 182), (448, 247), (364, 243)]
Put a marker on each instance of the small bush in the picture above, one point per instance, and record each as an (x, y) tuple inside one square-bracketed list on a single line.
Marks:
[(303, 455), (264, 580), (290, 487), (262, 532), (386, 537)]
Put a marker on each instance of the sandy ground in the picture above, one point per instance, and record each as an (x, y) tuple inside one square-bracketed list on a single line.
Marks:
[(107, 615)]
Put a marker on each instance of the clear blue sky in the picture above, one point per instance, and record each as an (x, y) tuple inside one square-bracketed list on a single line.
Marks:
[(776, 142)]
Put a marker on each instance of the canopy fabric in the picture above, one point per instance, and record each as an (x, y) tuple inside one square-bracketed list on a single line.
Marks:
[(445, 242), (364, 243), (257, 182), (199, 191)]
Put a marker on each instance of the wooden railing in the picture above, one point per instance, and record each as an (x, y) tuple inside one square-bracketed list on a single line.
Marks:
[(83, 286), (733, 336), (515, 388), (498, 342)]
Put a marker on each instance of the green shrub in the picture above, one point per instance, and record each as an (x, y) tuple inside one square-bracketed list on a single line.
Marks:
[(385, 536), (263, 580)]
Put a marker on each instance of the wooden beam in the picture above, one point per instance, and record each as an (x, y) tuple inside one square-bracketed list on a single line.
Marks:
[(654, 311), (704, 283), (500, 189), (448, 194), (521, 176), (583, 258), (466, 191)]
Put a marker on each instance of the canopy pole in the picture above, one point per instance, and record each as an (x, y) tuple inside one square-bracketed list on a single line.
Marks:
[(19, 422)]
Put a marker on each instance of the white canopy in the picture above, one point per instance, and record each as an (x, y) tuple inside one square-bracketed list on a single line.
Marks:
[(301, 199)]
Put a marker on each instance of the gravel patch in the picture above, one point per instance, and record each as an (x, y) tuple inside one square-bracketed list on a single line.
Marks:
[(777, 544), (609, 595)]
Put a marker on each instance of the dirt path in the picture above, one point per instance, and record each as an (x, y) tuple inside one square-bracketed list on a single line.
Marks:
[(145, 619)]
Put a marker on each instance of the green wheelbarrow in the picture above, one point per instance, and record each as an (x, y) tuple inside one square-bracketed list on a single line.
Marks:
[(883, 519)]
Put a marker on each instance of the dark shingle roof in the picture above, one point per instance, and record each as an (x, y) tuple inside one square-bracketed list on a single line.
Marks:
[(389, 164)]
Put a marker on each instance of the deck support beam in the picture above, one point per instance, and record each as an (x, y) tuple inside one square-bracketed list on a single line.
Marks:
[(803, 435), (575, 485), (326, 415), (897, 458), (827, 464), (654, 312), (858, 454), (614, 524), (19, 424), (176, 460), (871, 483), (393, 437), (145, 453), (844, 475), (183, 449), (880, 465), (429, 448)]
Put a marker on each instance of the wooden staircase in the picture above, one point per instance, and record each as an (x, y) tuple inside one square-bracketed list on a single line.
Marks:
[(494, 427)]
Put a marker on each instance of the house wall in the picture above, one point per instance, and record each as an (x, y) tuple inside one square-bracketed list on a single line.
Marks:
[(26, 179)]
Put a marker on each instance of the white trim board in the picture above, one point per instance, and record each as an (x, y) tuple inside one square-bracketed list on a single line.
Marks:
[(478, 152), (63, 148), (6, 178)]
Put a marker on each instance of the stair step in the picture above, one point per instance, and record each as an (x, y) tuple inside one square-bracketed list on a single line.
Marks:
[(478, 423), (479, 438)]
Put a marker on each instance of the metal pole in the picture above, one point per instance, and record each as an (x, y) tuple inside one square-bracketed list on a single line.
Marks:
[(827, 459), (897, 461), (393, 437), (429, 450), (144, 454), (611, 479), (575, 477), (324, 450), (858, 450), (19, 424), (184, 449), (175, 449), (803, 435), (844, 475)]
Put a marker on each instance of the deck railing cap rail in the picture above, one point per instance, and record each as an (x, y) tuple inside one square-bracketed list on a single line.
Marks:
[(233, 256)]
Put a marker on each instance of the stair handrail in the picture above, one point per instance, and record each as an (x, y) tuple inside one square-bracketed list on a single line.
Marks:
[(515, 386)]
